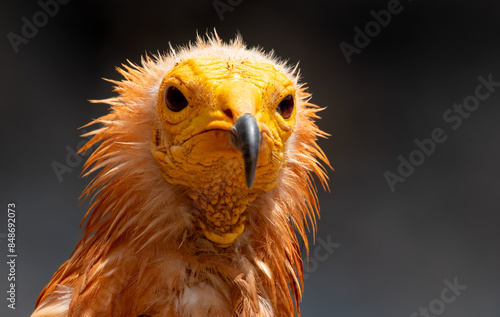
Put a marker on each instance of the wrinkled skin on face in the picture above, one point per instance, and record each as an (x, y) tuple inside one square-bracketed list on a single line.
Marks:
[(194, 145)]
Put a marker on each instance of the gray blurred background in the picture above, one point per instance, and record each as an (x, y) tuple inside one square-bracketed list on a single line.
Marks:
[(393, 250)]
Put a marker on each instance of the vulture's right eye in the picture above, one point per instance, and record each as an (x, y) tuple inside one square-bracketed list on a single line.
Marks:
[(174, 99)]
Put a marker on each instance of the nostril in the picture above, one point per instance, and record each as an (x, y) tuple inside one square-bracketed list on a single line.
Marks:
[(228, 113)]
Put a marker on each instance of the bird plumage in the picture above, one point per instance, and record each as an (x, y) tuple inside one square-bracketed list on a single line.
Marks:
[(149, 246)]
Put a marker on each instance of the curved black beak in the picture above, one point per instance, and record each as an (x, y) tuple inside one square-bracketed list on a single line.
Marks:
[(246, 138)]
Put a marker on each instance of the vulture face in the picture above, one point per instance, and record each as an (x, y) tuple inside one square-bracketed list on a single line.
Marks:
[(221, 132)]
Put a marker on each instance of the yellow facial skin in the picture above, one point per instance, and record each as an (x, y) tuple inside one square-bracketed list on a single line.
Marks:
[(194, 148)]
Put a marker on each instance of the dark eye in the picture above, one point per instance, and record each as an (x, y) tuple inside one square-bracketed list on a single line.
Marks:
[(174, 99), (285, 108)]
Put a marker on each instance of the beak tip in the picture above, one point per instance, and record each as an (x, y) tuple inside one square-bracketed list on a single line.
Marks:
[(247, 140), (250, 181)]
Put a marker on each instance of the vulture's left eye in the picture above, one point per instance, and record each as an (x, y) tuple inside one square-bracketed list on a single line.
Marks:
[(285, 108), (174, 99)]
